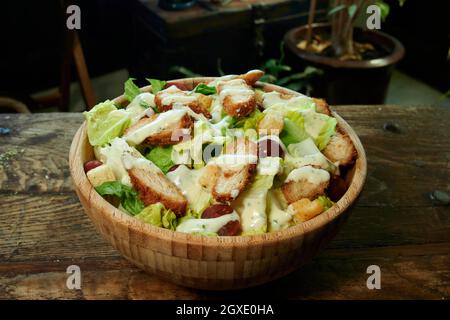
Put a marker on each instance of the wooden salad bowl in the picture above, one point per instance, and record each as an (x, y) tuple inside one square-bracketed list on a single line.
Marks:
[(213, 263)]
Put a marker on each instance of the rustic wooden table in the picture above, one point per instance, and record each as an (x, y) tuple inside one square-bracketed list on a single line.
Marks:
[(394, 225)]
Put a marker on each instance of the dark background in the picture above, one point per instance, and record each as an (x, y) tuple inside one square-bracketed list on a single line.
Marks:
[(119, 34)]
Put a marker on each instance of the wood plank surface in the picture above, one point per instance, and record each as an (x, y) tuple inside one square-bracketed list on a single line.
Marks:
[(394, 224)]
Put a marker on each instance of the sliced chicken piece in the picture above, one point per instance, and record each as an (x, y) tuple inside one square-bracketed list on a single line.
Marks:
[(305, 182), (237, 97), (227, 175), (199, 103), (340, 149), (322, 106), (172, 133), (153, 186)]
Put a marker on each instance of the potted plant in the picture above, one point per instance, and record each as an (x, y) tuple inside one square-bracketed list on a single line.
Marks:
[(357, 62)]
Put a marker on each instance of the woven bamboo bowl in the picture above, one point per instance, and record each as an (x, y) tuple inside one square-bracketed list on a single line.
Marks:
[(213, 263)]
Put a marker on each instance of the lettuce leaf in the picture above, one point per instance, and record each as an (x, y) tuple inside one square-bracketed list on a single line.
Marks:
[(161, 157), (205, 89), (327, 132), (294, 128), (157, 215), (157, 85), (251, 121), (325, 202), (169, 220), (131, 90), (152, 214), (105, 122), (129, 197)]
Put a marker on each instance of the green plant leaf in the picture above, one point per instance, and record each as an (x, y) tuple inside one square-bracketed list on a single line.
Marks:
[(157, 85), (129, 198), (131, 90), (336, 9), (205, 89), (161, 157), (401, 2), (384, 9), (351, 10)]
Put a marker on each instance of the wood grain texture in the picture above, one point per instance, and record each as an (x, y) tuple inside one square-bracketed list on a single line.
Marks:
[(43, 228)]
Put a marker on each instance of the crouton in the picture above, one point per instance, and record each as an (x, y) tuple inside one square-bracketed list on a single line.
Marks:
[(154, 187), (322, 106), (340, 149), (172, 134), (305, 182), (251, 77), (305, 209), (272, 123), (100, 174), (238, 99), (199, 103)]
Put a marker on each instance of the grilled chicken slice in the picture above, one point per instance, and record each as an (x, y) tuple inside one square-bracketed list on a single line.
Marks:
[(172, 133), (305, 182), (153, 186), (340, 149), (226, 176), (197, 102), (237, 97)]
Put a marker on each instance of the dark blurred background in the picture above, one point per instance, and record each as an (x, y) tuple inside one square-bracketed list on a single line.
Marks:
[(139, 39)]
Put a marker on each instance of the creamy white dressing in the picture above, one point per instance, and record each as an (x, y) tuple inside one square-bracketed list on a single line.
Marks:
[(269, 166), (237, 90), (278, 217), (187, 182), (233, 162), (212, 225), (273, 102), (137, 109), (310, 174), (174, 95), (112, 156), (164, 120)]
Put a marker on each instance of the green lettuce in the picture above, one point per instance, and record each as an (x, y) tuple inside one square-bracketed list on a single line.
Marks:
[(325, 202), (161, 157), (157, 215), (294, 128), (131, 90), (328, 130), (251, 121), (129, 198), (320, 127), (105, 122), (205, 89), (157, 85)]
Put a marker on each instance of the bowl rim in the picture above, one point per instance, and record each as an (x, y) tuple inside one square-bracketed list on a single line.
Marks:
[(98, 204)]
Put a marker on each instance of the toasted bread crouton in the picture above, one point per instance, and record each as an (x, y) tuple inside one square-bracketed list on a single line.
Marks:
[(100, 174), (171, 134), (251, 77), (305, 182), (305, 209), (340, 149), (153, 187), (238, 99), (199, 103), (322, 106), (272, 123)]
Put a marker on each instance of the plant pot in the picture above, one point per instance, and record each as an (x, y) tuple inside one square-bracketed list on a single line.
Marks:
[(347, 82)]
